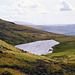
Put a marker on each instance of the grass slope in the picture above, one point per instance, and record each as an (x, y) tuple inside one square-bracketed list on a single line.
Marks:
[(17, 34), (19, 62)]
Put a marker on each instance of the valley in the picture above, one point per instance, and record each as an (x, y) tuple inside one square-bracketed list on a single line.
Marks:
[(20, 62)]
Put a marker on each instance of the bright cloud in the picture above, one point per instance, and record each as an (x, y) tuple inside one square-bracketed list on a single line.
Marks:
[(27, 6), (21, 7), (38, 11)]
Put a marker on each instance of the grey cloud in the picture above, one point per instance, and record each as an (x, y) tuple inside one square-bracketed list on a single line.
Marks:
[(65, 7)]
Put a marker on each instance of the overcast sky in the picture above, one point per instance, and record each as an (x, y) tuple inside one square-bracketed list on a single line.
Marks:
[(38, 11)]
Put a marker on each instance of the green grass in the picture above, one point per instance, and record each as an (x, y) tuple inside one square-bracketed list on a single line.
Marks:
[(62, 54)]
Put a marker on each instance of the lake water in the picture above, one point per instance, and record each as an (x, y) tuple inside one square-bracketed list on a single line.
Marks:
[(39, 47)]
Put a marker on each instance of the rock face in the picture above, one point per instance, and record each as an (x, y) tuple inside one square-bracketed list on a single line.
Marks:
[(6, 73)]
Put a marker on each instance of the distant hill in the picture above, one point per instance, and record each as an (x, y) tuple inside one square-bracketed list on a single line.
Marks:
[(64, 29), (22, 23)]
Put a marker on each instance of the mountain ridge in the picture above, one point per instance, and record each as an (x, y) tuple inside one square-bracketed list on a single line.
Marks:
[(65, 29)]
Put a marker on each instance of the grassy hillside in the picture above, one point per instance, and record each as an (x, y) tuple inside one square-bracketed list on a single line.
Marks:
[(18, 62), (16, 34)]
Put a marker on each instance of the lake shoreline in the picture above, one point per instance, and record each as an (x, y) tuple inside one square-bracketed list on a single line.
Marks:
[(42, 47)]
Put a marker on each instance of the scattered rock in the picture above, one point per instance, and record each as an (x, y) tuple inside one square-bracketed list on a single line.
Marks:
[(1, 52), (6, 73)]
